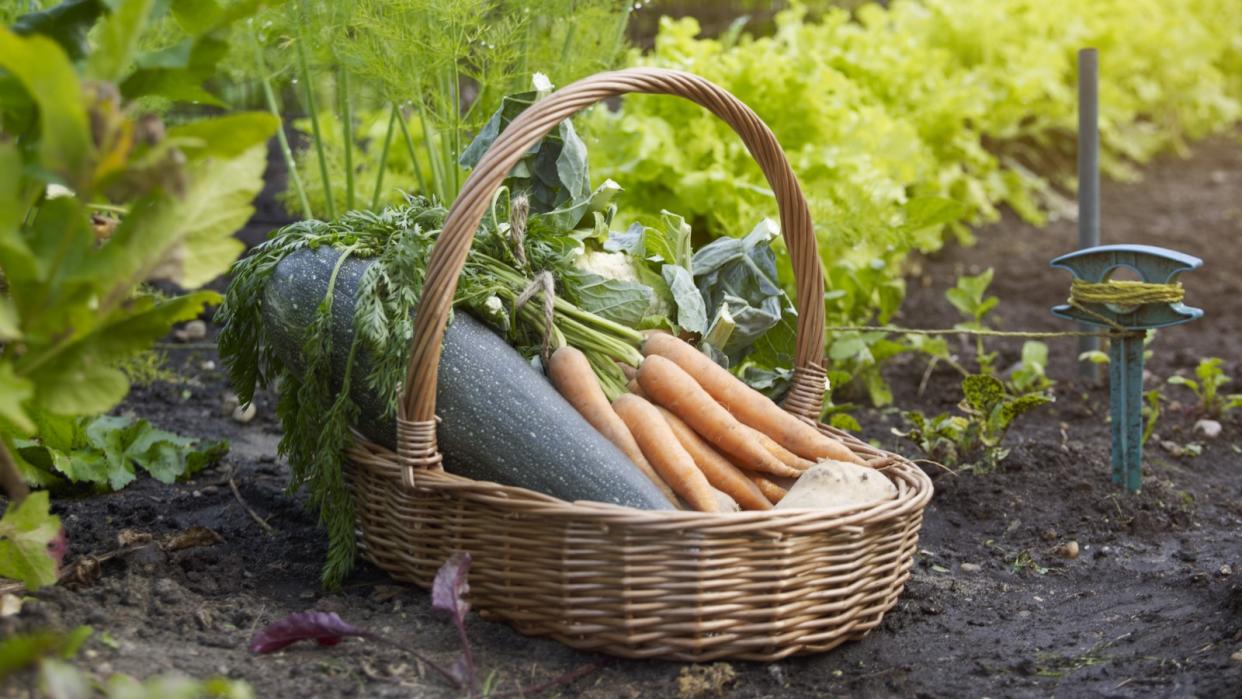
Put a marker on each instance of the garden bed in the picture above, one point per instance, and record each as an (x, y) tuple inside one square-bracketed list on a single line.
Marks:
[(1151, 605)]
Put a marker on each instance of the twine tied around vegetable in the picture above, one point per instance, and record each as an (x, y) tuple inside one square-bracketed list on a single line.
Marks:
[(542, 281)]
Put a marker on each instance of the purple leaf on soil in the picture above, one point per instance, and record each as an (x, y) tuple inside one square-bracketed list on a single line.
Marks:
[(325, 628), (57, 547), (462, 671), (448, 592)]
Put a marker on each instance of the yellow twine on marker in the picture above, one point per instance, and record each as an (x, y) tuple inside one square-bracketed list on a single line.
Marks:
[(1121, 293), (1125, 293)]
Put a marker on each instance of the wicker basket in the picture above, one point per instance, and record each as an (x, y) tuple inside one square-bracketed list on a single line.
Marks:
[(675, 585)]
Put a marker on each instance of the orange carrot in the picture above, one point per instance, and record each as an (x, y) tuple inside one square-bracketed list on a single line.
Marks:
[(571, 373), (773, 492), (635, 388), (720, 473), (662, 449), (668, 385), (629, 371), (747, 404), (787, 457)]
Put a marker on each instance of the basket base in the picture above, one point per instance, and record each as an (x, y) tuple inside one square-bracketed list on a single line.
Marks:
[(682, 586)]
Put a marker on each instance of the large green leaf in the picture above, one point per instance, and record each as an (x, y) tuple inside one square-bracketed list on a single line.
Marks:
[(25, 532), (46, 73), (10, 324), (615, 299), (670, 244), (145, 320), (189, 239), (76, 385), (179, 71), (60, 241), (223, 137), (225, 191), (14, 392), (16, 259), (117, 39), (82, 378), (195, 16), (67, 24), (198, 17), (691, 313)]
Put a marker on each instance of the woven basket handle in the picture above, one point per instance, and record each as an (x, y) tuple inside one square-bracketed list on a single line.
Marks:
[(416, 422)]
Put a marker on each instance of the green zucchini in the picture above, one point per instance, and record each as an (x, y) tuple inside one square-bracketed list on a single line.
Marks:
[(501, 420)]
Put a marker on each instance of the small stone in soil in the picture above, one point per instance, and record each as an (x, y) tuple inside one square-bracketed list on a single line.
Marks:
[(191, 331), (1068, 550), (970, 568), (1236, 657), (10, 605), (1208, 428), (244, 413)]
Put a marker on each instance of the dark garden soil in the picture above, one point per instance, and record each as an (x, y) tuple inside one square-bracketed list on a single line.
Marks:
[(1152, 605)]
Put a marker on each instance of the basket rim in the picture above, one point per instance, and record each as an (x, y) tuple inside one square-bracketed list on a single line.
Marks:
[(914, 491)]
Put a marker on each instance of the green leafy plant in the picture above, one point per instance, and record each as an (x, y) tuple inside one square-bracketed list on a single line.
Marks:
[(1151, 412), (975, 438), (1211, 378), (95, 201), (107, 452), (908, 121), (49, 653), (414, 82), (27, 529), (990, 404), (1030, 375), (969, 297)]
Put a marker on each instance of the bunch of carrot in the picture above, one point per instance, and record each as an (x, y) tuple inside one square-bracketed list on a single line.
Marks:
[(696, 430)]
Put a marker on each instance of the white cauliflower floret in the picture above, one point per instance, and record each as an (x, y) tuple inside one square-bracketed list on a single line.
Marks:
[(610, 265)]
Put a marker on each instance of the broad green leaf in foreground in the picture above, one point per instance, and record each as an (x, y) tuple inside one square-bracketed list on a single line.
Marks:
[(25, 531), (223, 137), (117, 39), (189, 240), (47, 75), (66, 23), (14, 392)]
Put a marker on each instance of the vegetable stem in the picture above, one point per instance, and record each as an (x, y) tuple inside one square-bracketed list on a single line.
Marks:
[(347, 136), (10, 477), (383, 163), (409, 145), (272, 106), (569, 33), (309, 93)]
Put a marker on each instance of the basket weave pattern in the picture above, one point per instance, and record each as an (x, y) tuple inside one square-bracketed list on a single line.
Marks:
[(676, 585)]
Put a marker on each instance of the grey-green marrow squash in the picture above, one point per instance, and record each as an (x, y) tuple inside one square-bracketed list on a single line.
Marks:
[(501, 420)]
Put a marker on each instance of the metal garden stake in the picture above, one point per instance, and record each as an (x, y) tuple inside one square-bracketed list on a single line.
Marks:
[(1131, 310), (1088, 174)]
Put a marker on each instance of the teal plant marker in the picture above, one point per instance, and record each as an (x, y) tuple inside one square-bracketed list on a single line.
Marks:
[(1128, 326)]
